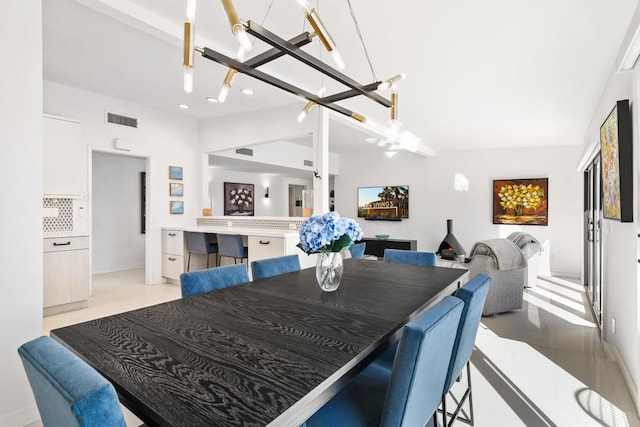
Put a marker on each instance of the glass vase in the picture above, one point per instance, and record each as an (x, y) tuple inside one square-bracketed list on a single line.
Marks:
[(329, 270)]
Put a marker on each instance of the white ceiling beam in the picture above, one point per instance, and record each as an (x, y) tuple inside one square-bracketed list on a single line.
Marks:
[(144, 20)]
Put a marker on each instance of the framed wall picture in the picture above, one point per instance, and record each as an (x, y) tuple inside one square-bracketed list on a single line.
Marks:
[(143, 202), (175, 172), (176, 207), (616, 150), (238, 199), (176, 189), (521, 201)]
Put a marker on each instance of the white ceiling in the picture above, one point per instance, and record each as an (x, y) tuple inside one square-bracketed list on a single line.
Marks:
[(497, 73)]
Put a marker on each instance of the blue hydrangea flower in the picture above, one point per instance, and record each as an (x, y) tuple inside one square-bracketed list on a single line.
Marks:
[(328, 233)]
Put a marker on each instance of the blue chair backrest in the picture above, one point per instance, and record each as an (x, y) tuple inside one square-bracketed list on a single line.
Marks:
[(264, 268), (230, 245), (357, 250), (197, 242), (68, 392), (197, 282), (474, 294), (410, 257), (420, 367)]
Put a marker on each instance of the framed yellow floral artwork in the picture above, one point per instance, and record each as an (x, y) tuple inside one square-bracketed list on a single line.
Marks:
[(521, 201)]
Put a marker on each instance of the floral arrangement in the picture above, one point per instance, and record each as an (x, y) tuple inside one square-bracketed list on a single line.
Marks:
[(519, 196), (241, 198), (328, 233)]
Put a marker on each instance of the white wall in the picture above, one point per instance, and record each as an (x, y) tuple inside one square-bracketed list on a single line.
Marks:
[(168, 139), (433, 199), (21, 213), (276, 205), (621, 247), (223, 133), (116, 239)]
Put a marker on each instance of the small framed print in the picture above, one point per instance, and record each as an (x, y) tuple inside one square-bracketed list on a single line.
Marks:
[(175, 172), (176, 207), (176, 189)]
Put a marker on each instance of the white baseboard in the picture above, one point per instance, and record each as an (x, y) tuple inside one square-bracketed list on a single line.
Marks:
[(612, 353), (23, 417), (117, 269)]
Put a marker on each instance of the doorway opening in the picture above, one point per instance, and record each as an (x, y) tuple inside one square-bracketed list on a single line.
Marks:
[(118, 200)]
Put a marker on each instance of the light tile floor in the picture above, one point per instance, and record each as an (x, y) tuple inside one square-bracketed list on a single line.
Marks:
[(539, 366)]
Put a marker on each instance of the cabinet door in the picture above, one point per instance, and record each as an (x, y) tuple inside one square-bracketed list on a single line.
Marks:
[(66, 277), (261, 247), (64, 158)]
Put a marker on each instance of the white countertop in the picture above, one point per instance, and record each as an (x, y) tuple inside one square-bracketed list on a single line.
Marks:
[(267, 232), (63, 234)]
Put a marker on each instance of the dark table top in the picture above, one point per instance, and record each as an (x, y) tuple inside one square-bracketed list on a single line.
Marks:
[(270, 351)]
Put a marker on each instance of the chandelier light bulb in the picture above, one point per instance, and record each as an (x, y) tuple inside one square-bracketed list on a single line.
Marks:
[(305, 111), (242, 54), (188, 79), (304, 5), (302, 116), (391, 82), (191, 11), (243, 38), (224, 91), (337, 59)]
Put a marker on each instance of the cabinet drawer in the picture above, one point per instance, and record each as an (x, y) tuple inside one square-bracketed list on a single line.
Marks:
[(261, 247), (172, 266), (66, 244), (173, 242)]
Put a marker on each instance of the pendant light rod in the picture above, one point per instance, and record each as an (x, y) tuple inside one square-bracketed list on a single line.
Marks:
[(274, 53), (268, 37), (273, 81), (350, 93)]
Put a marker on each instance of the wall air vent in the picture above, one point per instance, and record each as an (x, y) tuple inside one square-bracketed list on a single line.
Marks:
[(118, 119), (245, 151), (308, 163)]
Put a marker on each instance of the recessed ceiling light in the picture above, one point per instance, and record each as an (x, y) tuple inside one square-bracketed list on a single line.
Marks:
[(184, 106), (211, 99), (247, 91)]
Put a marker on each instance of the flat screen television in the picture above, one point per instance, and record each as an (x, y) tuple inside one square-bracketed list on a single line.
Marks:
[(389, 202), (617, 163)]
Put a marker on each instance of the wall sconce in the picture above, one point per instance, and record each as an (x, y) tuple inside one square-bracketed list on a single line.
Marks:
[(266, 193)]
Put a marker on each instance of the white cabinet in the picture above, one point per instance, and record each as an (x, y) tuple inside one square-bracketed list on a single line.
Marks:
[(64, 157), (172, 254), (261, 247), (66, 284)]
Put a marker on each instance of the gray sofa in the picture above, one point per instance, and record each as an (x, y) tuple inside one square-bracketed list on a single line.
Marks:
[(504, 262), (531, 249)]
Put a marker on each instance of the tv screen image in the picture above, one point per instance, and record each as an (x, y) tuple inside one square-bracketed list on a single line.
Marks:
[(384, 203)]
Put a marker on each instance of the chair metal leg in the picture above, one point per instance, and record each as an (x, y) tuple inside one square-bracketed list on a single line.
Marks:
[(467, 395), (189, 261), (207, 260)]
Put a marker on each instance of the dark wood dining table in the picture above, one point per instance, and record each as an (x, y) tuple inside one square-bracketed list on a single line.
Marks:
[(269, 352)]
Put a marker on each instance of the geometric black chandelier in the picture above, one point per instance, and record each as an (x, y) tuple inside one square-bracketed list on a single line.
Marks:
[(280, 47)]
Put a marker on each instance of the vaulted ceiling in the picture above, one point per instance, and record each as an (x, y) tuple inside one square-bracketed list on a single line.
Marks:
[(497, 73)]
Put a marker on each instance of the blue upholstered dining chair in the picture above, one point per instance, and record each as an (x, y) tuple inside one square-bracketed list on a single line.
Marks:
[(269, 267), (410, 257), (474, 295), (198, 242), (410, 393), (230, 245), (357, 250), (197, 282), (68, 392)]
